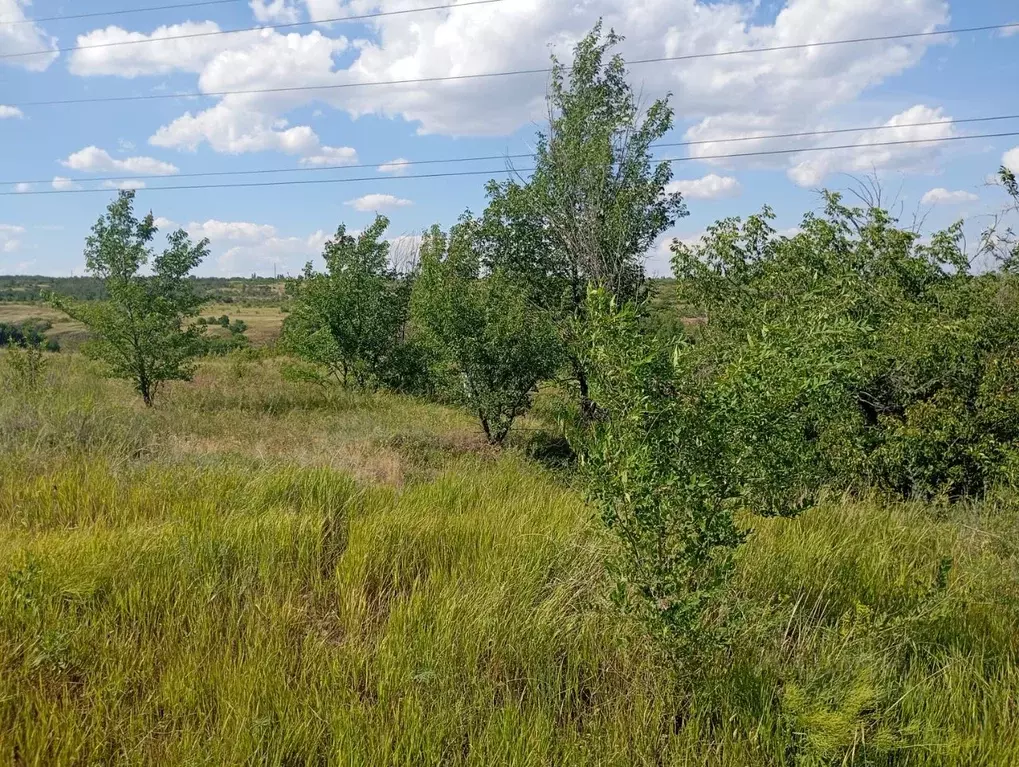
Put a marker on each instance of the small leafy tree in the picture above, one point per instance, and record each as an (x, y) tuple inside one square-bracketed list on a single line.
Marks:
[(595, 203), (349, 322), (491, 345), (140, 331)]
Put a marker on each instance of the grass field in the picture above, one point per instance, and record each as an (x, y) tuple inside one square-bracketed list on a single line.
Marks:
[(255, 573), (264, 322)]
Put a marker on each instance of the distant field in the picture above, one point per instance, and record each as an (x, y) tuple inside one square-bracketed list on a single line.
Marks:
[(264, 322), (69, 333)]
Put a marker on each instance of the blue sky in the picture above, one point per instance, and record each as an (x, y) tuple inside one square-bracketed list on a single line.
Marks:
[(279, 228)]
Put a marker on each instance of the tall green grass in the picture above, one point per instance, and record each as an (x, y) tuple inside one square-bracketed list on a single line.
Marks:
[(226, 581)]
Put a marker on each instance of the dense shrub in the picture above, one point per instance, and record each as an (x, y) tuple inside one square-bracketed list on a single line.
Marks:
[(911, 355)]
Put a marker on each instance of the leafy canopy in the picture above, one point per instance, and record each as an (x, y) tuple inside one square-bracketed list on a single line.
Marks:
[(595, 203), (139, 331), (348, 322), (488, 344)]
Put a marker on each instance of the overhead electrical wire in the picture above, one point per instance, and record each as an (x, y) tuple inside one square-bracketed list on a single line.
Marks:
[(483, 75), (482, 158), (260, 28), (450, 174), (120, 12)]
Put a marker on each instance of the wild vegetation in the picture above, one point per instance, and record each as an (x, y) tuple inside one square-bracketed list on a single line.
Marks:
[(504, 506)]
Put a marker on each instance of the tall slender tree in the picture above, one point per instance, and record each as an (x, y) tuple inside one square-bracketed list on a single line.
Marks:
[(596, 201)]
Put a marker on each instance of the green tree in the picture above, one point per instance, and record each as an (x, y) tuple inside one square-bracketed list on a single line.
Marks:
[(595, 203), (140, 330), (349, 321), (491, 345)]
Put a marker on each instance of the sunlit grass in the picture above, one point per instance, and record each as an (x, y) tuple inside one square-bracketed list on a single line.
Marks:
[(257, 573)]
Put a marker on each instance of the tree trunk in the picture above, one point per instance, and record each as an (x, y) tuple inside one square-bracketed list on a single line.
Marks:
[(486, 427), (587, 406)]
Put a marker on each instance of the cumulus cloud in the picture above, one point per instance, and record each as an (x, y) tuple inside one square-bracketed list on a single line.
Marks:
[(281, 254), (941, 196), (6, 112), (331, 155), (275, 11), (121, 53), (62, 184), (22, 188), (1011, 159), (92, 159), (253, 122), (762, 90), (397, 167), (376, 202), (710, 187), (23, 38), (230, 231), (813, 169), (235, 131)]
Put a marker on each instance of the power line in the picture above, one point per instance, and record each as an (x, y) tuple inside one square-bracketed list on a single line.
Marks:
[(734, 139), (484, 75), (288, 25), (121, 12), (450, 174)]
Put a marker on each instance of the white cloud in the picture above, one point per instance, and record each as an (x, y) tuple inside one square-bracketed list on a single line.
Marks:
[(236, 131), (1011, 159), (332, 155), (6, 112), (62, 184), (319, 10), (133, 54), (253, 122), (396, 167), (518, 35), (230, 231), (814, 168), (9, 242), (280, 254), (766, 90), (131, 183), (710, 187), (163, 223), (376, 202), (1009, 31), (22, 38), (92, 159), (942, 196), (22, 188), (275, 11)]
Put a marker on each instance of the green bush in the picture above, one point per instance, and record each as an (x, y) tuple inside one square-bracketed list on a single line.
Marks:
[(909, 354)]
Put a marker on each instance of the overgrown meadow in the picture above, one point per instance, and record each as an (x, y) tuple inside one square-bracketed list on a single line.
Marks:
[(255, 573), (516, 504)]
